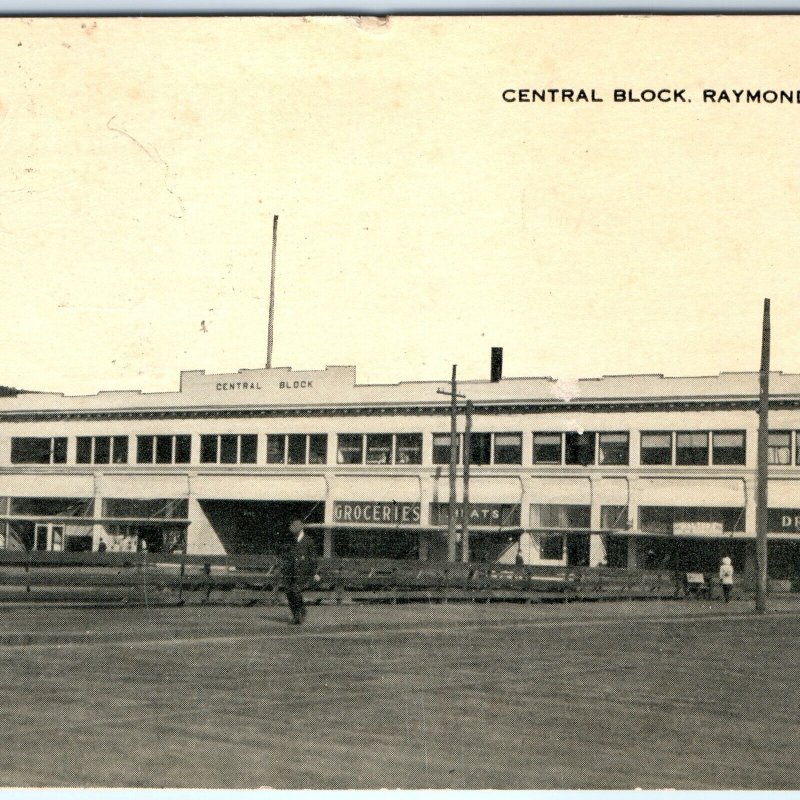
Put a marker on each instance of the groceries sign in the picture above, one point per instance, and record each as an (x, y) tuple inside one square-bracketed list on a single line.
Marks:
[(380, 513)]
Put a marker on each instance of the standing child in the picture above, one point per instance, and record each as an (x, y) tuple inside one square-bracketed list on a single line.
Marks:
[(726, 578)]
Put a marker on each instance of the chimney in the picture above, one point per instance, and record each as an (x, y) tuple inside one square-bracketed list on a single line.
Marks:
[(497, 364)]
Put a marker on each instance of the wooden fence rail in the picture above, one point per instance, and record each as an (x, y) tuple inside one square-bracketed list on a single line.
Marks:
[(178, 578)]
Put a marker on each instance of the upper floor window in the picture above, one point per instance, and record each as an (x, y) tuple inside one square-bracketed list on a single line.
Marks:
[(727, 447), (350, 448), (228, 448), (579, 448), (613, 448), (480, 448), (484, 448), (163, 449), (101, 450), (441, 448), (379, 448), (297, 448), (656, 447), (408, 448), (508, 448), (38, 450), (691, 448), (779, 447), (547, 448)]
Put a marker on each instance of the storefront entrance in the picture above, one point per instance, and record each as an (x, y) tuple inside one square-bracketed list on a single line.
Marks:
[(260, 526)]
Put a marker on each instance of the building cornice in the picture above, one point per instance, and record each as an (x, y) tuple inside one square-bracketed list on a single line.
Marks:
[(625, 405)]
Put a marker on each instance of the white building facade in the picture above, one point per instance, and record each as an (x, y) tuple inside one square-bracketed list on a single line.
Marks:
[(641, 471)]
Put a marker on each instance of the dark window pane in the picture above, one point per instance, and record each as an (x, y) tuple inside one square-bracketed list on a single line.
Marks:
[(228, 444), (350, 448), (144, 449), (508, 448), (613, 448), (552, 548), (480, 448), (120, 454), (579, 448), (208, 449), (318, 448), (379, 448), (297, 448), (546, 448), (249, 448), (60, 450), (276, 444), (29, 450), (183, 449), (656, 448), (728, 447), (102, 449), (691, 448), (164, 449), (408, 448), (441, 448), (83, 450)]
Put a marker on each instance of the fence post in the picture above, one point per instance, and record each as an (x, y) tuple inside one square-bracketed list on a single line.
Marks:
[(182, 576)]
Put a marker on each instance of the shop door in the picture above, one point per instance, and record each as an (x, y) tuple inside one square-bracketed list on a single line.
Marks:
[(48, 536)]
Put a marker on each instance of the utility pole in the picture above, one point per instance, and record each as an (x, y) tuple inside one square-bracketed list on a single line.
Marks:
[(762, 470), (451, 517), (272, 291), (467, 460), (451, 513)]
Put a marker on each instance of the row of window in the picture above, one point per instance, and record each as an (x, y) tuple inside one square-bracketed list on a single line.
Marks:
[(682, 448)]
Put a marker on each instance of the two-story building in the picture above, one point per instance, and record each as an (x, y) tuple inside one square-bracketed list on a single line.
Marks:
[(637, 470)]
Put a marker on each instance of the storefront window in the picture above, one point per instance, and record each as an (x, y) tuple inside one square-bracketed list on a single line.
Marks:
[(546, 448), (614, 517), (552, 548)]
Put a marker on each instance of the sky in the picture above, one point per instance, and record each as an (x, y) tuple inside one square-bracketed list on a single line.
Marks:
[(422, 219)]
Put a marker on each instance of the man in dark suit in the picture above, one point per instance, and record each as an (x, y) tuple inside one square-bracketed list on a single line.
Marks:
[(299, 569)]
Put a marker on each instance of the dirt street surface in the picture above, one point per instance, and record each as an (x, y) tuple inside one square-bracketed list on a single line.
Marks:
[(691, 695)]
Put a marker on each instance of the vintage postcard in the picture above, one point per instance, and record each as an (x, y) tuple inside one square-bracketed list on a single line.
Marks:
[(400, 402)]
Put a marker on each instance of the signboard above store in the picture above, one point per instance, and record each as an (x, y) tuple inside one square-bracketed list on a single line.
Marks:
[(492, 515), (697, 528), (783, 520), (372, 513)]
